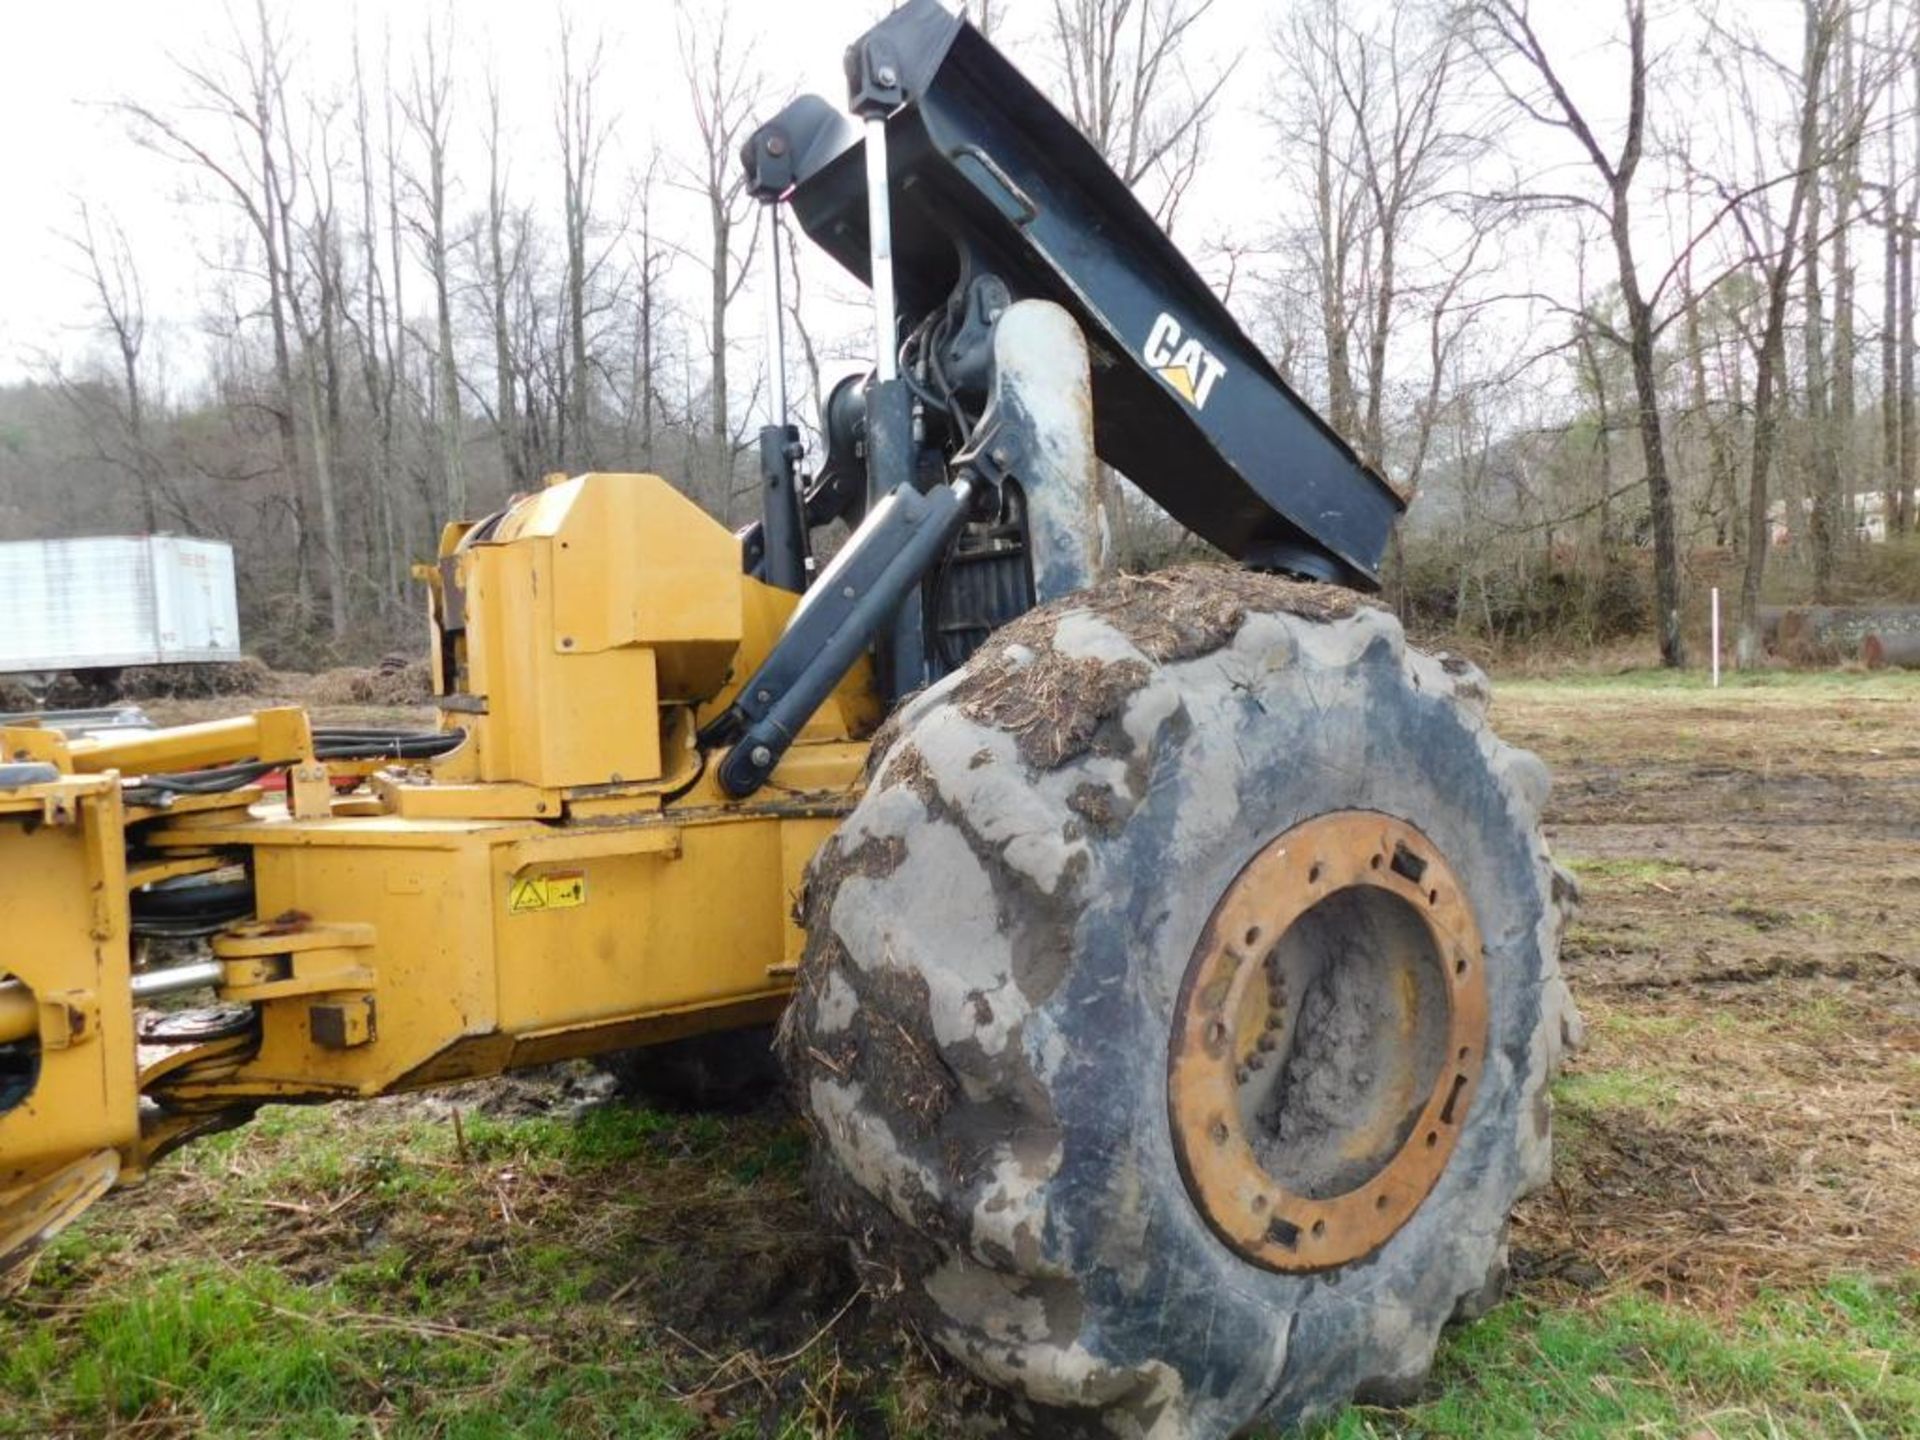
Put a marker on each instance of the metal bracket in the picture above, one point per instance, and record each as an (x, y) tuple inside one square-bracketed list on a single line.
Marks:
[(270, 960), (68, 1018)]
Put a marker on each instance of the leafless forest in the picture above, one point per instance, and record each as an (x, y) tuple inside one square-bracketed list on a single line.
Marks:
[(1626, 305)]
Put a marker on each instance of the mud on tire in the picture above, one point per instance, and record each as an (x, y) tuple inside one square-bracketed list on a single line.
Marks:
[(998, 937)]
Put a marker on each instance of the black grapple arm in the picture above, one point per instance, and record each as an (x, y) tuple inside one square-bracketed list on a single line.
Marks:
[(995, 207), (986, 174)]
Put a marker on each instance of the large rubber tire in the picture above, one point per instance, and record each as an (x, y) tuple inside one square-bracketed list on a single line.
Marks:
[(997, 940)]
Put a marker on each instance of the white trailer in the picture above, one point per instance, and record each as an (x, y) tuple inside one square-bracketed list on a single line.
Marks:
[(109, 601)]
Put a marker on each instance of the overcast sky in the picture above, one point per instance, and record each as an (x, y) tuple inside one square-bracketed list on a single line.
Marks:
[(64, 64)]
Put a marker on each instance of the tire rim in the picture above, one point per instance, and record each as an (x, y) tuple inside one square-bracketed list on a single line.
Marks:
[(1329, 1037)]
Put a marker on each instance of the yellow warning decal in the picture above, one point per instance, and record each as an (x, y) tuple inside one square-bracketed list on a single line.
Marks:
[(561, 890)]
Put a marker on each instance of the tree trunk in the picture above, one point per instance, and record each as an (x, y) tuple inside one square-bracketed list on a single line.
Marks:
[(393, 438), (722, 260), (1890, 485), (137, 430), (1901, 521), (579, 146), (445, 364), (512, 456), (1646, 390), (1773, 345), (1335, 325), (332, 542), (646, 340), (1824, 520), (284, 425), (1846, 192)]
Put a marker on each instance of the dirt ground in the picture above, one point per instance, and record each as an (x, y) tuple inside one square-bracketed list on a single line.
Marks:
[(1739, 1138), (1747, 1112)]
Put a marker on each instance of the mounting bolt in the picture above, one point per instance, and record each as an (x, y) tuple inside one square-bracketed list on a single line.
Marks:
[(761, 757), (887, 76), (1000, 456), (763, 696)]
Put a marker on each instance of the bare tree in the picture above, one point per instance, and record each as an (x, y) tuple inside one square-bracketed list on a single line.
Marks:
[(373, 335), (500, 266), (120, 303), (725, 90), (428, 106), (1130, 92), (1900, 518), (583, 137), (1776, 248), (986, 14), (313, 302), (1313, 120), (1849, 119), (397, 365), (1507, 34), (1372, 104), (649, 262), (226, 127), (1824, 518), (1829, 385)]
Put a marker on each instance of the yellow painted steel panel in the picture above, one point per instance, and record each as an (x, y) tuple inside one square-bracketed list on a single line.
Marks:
[(63, 893)]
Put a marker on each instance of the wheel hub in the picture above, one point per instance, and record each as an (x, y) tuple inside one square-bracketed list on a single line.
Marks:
[(1328, 1038)]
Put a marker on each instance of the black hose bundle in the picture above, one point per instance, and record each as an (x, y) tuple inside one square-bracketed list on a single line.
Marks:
[(190, 906), (328, 744), (384, 744)]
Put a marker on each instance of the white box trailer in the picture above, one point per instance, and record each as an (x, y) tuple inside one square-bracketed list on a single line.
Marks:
[(108, 601)]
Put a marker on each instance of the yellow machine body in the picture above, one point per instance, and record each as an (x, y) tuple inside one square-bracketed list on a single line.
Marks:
[(569, 880)]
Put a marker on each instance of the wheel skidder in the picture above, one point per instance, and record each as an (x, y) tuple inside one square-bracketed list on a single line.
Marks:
[(1177, 989)]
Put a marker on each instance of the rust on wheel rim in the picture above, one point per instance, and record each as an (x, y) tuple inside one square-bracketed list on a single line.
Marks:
[(1328, 1039)]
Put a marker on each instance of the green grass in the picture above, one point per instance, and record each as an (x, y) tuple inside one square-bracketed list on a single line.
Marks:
[(1635, 869), (418, 1333), (1582, 1092), (1841, 1361), (429, 1317), (393, 1296), (243, 1351)]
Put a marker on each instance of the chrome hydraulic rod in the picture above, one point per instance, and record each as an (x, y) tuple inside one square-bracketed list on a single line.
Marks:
[(20, 1015), (886, 341), (151, 984), (776, 321)]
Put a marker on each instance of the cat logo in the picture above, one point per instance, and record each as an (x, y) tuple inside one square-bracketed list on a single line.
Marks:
[(1186, 365)]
